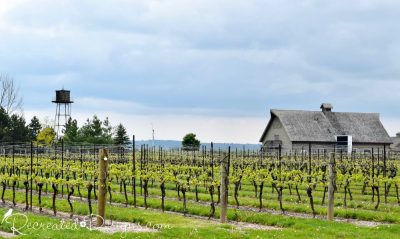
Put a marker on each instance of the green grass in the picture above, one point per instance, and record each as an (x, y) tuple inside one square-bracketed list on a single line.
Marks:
[(178, 227), (360, 207), (184, 227)]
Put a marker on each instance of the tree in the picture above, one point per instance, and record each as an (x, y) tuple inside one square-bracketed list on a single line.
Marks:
[(4, 124), (190, 142), (46, 136), (12, 129), (107, 129), (93, 132), (71, 131), (121, 137), (17, 131), (10, 99), (34, 128), (96, 127)]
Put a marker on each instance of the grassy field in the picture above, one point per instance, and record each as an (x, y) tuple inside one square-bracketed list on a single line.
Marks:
[(179, 226), (360, 218), (361, 207)]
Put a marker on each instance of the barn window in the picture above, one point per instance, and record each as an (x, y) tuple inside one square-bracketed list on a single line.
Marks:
[(344, 143), (276, 137)]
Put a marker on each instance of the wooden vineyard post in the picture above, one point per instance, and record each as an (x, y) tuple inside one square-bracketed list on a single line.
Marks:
[(224, 187), (331, 186), (384, 172), (62, 166), (31, 174), (101, 203), (133, 171)]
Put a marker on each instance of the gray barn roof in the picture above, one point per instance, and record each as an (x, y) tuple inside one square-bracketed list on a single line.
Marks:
[(317, 126)]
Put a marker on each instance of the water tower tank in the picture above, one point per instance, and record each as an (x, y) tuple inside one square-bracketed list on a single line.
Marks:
[(63, 97), (63, 110)]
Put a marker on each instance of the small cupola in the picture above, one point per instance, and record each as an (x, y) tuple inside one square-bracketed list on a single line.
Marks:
[(326, 107)]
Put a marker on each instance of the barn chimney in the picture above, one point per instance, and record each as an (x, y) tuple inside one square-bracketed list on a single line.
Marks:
[(326, 107)]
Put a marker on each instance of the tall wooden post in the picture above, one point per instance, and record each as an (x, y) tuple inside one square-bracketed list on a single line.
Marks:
[(212, 160), (384, 171), (224, 186), (101, 203), (280, 160), (134, 170), (384, 162), (331, 186), (31, 174), (309, 160), (62, 166), (13, 159)]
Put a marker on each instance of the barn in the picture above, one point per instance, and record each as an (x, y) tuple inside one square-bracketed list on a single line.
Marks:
[(396, 143), (297, 130)]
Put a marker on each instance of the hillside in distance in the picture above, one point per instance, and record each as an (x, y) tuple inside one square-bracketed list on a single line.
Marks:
[(173, 144)]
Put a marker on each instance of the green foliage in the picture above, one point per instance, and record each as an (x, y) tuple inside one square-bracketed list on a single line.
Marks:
[(107, 128), (46, 136), (4, 123), (12, 128), (121, 136), (34, 128), (196, 173), (18, 132), (71, 131), (190, 142), (95, 131)]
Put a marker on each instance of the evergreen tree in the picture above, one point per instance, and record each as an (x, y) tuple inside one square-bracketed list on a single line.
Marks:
[(107, 130), (93, 132), (96, 128), (4, 124), (17, 131), (190, 142), (121, 136), (71, 131), (34, 128)]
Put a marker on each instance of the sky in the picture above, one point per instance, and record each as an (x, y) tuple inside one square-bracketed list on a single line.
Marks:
[(212, 67)]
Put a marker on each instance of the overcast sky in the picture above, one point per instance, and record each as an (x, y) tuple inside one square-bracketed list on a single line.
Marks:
[(212, 67)]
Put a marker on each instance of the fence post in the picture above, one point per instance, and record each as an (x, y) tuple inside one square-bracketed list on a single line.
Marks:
[(309, 160), (224, 187), (62, 166), (331, 186), (134, 171), (31, 175), (13, 159), (102, 184), (384, 172)]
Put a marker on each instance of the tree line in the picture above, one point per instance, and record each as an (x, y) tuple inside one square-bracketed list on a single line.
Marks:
[(95, 131), (14, 129)]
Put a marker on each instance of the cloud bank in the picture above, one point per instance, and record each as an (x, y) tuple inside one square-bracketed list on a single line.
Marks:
[(218, 63)]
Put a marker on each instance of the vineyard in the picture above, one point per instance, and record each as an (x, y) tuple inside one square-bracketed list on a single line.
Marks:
[(268, 189)]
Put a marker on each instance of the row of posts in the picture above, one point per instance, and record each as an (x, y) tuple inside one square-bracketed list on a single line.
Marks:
[(225, 163)]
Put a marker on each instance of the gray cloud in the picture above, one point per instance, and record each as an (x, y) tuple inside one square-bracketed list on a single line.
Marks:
[(221, 58)]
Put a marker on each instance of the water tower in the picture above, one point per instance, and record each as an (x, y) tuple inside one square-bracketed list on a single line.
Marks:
[(63, 110)]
